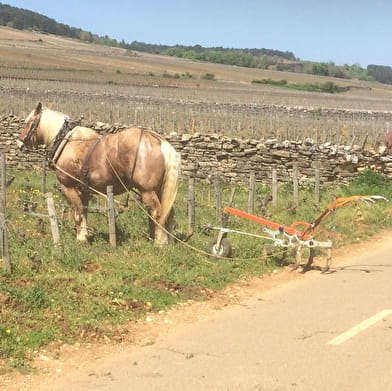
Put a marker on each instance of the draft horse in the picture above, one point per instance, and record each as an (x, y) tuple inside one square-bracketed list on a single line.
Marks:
[(86, 162)]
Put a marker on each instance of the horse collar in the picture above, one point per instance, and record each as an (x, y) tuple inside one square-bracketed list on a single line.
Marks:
[(61, 140)]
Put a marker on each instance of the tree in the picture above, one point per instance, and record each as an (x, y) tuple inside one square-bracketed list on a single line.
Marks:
[(381, 73), (86, 36)]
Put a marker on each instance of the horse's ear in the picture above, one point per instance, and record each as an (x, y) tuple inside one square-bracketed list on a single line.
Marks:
[(38, 109)]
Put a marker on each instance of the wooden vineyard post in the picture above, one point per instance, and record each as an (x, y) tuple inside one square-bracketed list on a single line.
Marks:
[(274, 187), (364, 142), (225, 217), (295, 185), (5, 256), (53, 218), (251, 197), (218, 200), (43, 178), (111, 216), (317, 185), (3, 183), (4, 253), (191, 205)]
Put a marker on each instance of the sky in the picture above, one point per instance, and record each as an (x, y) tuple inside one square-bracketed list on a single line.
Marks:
[(339, 31)]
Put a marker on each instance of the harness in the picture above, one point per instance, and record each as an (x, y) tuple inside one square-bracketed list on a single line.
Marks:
[(61, 140), (85, 168), (85, 164), (86, 160)]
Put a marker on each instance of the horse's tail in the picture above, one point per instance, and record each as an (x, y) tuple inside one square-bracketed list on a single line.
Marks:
[(170, 181)]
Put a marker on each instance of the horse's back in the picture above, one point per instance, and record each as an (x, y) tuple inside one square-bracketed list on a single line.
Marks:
[(81, 133)]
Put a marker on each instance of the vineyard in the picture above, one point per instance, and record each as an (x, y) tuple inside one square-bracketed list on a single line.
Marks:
[(71, 292), (176, 95)]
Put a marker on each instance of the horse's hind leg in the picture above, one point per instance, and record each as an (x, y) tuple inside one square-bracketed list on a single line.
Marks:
[(170, 224), (157, 232), (78, 202)]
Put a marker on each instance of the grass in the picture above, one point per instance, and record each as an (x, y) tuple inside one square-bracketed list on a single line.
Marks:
[(76, 292)]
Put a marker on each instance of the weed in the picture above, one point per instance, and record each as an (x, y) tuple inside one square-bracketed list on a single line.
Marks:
[(208, 76)]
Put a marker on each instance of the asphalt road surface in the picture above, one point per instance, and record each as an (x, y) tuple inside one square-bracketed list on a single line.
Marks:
[(315, 332)]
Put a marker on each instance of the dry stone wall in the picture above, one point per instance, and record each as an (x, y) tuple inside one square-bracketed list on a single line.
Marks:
[(233, 159), (10, 127)]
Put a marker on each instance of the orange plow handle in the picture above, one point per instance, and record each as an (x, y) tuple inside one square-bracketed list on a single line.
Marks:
[(269, 223)]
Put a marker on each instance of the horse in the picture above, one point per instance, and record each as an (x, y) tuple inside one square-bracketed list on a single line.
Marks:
[(86, 162)]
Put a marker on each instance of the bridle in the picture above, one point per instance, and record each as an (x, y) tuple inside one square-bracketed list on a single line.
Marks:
[(31, 133), (58, 142)]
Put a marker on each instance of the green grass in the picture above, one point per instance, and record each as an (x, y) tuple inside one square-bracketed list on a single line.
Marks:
[(73, 292)]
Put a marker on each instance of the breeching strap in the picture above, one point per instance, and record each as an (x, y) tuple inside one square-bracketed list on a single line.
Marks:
[(85, 168), (134, 166)]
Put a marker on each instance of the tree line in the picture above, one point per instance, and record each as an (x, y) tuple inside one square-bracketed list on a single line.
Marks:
[(252, 58), (23, 19), (269, 59)]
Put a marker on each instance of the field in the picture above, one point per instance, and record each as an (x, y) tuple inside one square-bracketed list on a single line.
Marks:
[(73, 292), (169, 94)]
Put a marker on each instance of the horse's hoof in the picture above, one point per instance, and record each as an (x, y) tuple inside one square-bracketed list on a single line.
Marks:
[(160, 243), (82, 239)]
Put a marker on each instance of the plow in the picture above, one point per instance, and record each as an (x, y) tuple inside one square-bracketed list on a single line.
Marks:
[(299, 235)]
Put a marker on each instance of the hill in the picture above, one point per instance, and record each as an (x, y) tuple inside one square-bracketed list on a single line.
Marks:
[(34, 55), (166, 93), (253, 58), (23, 19)]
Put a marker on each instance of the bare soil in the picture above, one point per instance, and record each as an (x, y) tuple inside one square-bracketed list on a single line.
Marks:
[(36, 50), (171, 94)]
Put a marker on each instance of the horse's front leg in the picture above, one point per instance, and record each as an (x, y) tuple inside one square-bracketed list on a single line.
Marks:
[(78, 202), (157, 232)]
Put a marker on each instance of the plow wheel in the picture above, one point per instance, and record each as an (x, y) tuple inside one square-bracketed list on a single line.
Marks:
[(222, 249)]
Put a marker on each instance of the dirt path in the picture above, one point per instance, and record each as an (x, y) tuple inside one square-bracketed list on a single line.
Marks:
[(273, 318)]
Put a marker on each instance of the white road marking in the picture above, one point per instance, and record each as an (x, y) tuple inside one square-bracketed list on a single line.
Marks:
[(359, 327)]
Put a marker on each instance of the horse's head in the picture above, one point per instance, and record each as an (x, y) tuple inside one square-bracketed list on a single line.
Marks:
[(42, 126), (28, 136)]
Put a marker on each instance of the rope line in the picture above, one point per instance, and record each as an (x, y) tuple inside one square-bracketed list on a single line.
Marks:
[(145, 211), (174, 237)]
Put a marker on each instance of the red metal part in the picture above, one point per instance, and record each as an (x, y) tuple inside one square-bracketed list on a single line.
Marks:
[(306, 233), (271, 224)]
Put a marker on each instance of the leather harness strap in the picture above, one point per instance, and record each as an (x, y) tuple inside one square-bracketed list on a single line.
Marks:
[(61, 139), (85, 168), (136, 154), (133, 169), (56, 152)]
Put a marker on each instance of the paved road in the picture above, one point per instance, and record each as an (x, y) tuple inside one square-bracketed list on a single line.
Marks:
[(320, 332)]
